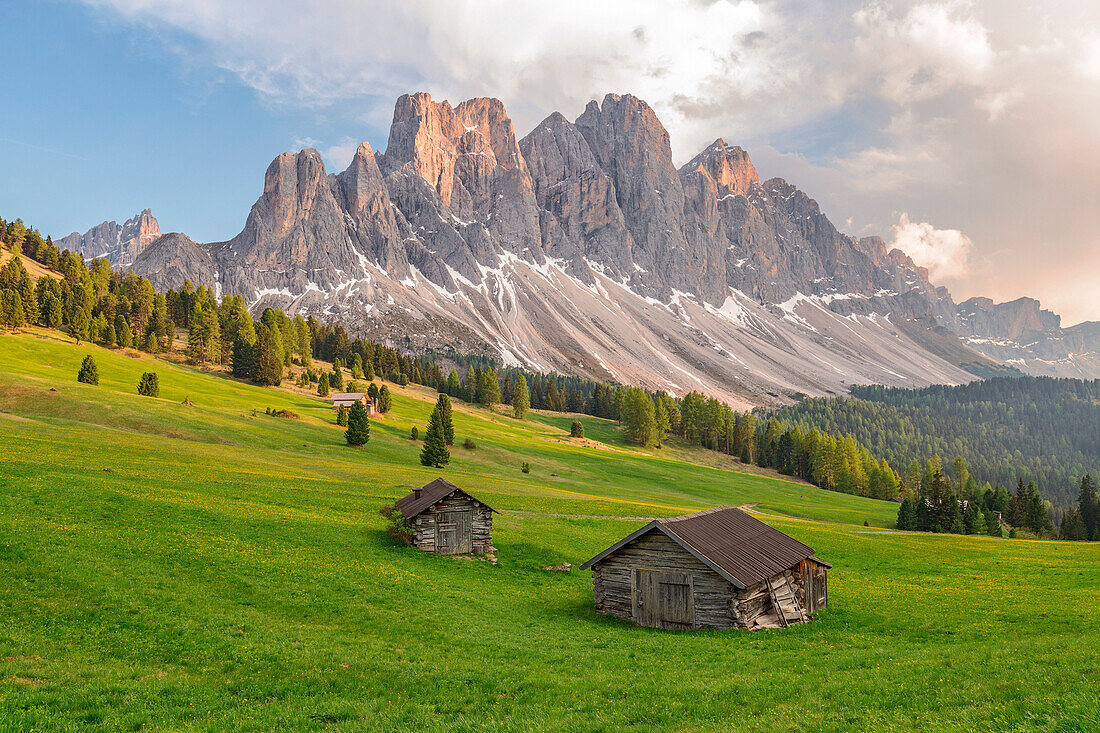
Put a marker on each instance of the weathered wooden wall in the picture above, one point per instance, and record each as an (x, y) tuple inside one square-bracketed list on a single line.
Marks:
[(718, 603), (423, 525), (612, 580)]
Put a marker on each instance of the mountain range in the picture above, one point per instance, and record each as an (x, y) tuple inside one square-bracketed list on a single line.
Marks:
[(582, 249)]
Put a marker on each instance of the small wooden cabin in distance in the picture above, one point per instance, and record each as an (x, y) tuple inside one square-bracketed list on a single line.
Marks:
[(347, 399), (446, 519), (719, 568)]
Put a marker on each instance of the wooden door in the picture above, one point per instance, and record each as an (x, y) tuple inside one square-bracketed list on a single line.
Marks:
[(664, 600), (454, 532)]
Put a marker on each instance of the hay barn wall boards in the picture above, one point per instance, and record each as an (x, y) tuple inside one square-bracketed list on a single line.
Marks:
[(719, 568), (448, 520)]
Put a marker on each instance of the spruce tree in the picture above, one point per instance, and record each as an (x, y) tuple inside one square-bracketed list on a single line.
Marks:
[(358, 432), (454, 386), (268, 357), (322, 385), (660, 418), (469, 385), (576, 430), (342, 416), (385, 400), (243, 359), (89, 372), (435, 453), (149, 386), (443, 404), (489, 388), (1089, 507), (372, 392), (521, 398)]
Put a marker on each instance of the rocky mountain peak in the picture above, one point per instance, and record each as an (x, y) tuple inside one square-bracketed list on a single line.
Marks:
[(727, 166), (119, 243)]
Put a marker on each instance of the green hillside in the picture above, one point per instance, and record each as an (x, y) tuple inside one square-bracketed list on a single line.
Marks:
[(210, 567)]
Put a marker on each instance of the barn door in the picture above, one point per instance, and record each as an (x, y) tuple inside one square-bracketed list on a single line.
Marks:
[(664, 600), (454, 533)]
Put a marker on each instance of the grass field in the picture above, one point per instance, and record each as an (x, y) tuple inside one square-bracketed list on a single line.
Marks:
[(204, 568)]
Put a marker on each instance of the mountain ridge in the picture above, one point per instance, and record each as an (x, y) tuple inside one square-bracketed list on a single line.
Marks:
[(581, 248)]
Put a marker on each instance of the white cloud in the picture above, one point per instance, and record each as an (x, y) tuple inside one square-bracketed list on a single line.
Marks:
[(945, 252), (979, 112)]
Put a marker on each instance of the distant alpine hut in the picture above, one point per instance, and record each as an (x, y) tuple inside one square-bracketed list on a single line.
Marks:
[(719, 568), (446, 519), (347, 399)]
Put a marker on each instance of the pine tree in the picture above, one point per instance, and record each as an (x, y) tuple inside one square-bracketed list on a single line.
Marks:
[(638, 419), (454, 386), (469, 385), (150, 346), (435, 453), (149, 386), (268, 357), (443, 404), (89, 371), (1088, 505), (489, 388), (385, 400), (521, 398), (660, 420), (342, 416), (244, 359), (123, 336), (358, 432), (907, 515), (372, 392)]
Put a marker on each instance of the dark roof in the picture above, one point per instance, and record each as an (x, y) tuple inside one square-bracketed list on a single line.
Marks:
[(740, 548), (430, 494)]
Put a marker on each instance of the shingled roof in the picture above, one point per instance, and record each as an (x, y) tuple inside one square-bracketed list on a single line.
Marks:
[(740, 548), (427, 495)]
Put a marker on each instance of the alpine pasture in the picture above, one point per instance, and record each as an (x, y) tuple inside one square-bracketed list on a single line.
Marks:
[(209, 567)]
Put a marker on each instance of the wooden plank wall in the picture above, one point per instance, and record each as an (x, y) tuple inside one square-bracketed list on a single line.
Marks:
[(423, 525), (612, 580)]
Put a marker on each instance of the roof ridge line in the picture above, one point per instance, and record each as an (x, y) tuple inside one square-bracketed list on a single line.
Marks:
[(700, 513)]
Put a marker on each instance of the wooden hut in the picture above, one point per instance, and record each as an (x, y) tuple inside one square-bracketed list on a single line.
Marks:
[(445, 519), (347, 399), (719, 568)]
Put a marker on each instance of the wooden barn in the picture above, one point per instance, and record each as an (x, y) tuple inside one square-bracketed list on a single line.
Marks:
[(445, 519), (347, 399), (719, 568)]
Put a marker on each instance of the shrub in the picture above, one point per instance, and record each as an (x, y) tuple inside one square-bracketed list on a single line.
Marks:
[(149, 386), (576, 430), (415, 433), (395, 524), (526, 468), (89, 372), (469, 444)]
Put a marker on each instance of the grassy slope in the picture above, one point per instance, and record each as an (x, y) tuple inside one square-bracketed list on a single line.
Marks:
[(200, 568)]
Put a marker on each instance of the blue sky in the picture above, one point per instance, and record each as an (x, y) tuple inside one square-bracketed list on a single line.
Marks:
[(102, 120), (961, 131)]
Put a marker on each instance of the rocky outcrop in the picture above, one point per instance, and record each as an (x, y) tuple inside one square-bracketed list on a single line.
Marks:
[(174, 258), (119, 243), (581, 249)]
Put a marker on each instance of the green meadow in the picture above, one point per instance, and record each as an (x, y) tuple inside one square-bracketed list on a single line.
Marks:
[(208, 567)]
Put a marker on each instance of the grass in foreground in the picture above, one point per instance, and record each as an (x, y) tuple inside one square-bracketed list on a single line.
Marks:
[(198, 568)]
